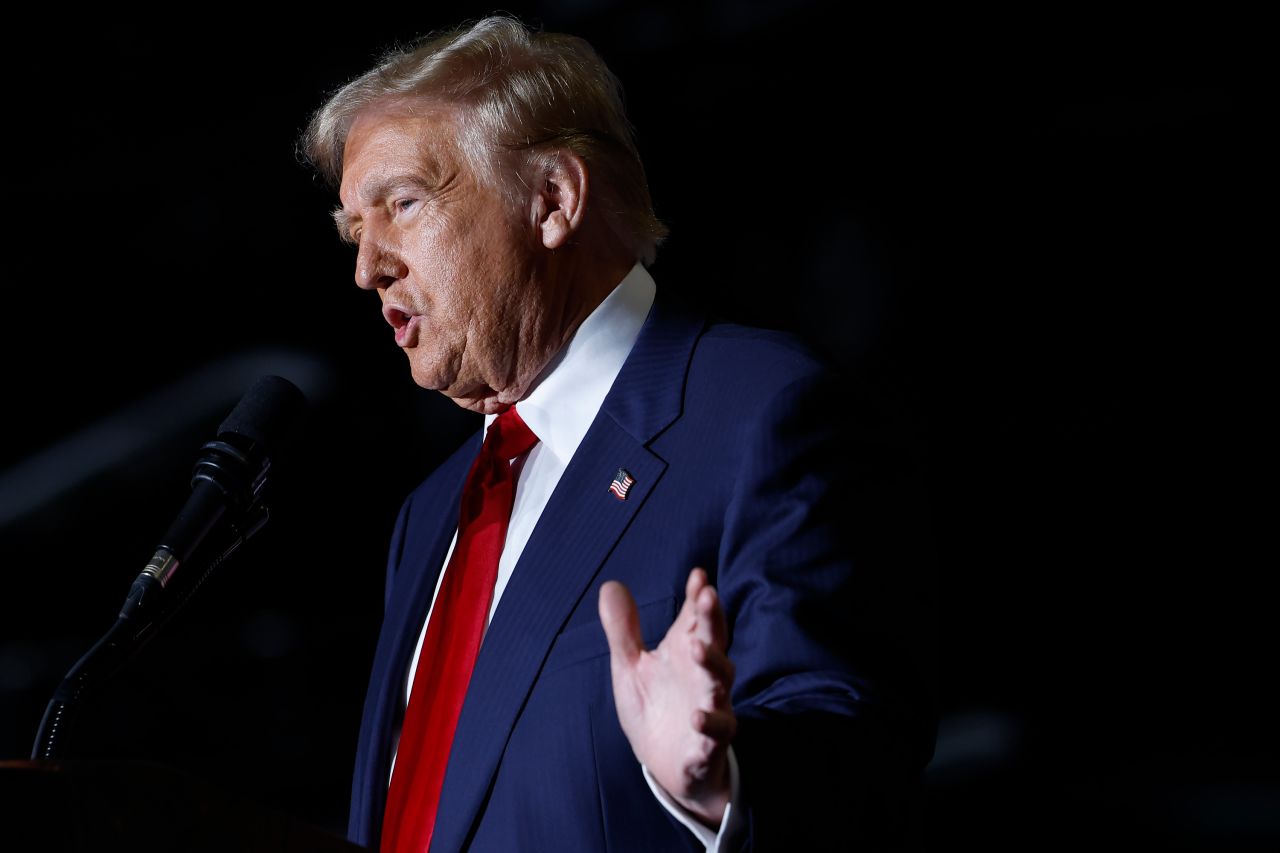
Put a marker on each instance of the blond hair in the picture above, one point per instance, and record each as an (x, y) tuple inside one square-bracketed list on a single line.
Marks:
[(521, 92)]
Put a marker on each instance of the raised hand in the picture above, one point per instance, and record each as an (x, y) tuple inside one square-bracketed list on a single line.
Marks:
[(673, 702)]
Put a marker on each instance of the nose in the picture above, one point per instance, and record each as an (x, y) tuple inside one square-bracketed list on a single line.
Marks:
[(378, 265)]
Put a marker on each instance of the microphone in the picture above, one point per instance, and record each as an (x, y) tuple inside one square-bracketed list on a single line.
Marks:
[(227, 480), (226, 488)]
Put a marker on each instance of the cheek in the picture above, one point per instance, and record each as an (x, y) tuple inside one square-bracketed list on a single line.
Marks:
[(473, 268)]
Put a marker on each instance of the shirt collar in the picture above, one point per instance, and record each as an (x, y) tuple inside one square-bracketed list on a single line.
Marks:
[(569, 392)]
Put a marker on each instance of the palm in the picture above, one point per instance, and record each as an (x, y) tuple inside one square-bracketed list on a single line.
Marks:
[(673, 702)]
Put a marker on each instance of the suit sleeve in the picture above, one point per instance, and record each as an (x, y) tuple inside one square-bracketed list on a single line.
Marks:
[(831, 616)]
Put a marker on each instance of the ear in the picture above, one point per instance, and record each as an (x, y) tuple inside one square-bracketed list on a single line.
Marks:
[(559, 198)]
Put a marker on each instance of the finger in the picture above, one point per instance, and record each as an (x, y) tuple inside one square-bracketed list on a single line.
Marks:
[(689, 610), (711, 622), (621, 622), (716, 663), (720, 726)]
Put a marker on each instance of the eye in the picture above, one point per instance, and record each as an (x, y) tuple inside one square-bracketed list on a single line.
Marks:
[(404, 204)]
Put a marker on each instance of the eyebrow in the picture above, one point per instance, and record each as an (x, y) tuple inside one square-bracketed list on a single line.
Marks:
[(378, 190), (343, 221)]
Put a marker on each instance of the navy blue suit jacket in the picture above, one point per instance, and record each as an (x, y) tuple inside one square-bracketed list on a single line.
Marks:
[(739, 468)]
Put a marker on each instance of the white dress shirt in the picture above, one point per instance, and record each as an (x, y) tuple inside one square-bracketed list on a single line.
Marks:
[(559, 409)]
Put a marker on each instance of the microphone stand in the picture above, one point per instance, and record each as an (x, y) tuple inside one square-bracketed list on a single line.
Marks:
[(143, 615)]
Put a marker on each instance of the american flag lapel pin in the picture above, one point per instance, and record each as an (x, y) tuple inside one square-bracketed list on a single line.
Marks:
[(622, 483)]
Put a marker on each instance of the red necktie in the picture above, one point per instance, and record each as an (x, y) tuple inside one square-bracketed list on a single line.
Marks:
[(453, 639)]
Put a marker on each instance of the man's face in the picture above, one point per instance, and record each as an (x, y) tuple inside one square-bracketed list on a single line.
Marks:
[(456, 267)]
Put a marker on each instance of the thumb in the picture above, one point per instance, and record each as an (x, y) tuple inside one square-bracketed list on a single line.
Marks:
[(621, 622)]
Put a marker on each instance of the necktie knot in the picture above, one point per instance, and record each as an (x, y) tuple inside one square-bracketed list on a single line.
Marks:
[(510, 436)]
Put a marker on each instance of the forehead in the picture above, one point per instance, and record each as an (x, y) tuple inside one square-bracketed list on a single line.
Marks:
[(388, 143)]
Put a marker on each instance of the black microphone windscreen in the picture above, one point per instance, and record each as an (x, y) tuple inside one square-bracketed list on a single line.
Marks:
[(265, 411)]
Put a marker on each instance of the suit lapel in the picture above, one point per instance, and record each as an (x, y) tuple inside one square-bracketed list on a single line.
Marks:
[(575, 534)]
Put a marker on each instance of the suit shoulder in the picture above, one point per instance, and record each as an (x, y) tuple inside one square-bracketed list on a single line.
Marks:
[(763, 360), (762, 345)]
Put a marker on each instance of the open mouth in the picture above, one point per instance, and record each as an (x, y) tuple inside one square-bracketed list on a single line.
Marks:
[(404, 323), (397, 318)]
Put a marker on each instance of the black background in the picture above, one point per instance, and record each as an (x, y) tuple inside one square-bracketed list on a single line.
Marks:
[(1036, 240)]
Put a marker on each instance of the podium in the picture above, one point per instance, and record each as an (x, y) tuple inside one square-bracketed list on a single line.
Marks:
[(135, 806)]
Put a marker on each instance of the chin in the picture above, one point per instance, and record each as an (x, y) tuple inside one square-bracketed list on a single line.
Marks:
[(430, 376)]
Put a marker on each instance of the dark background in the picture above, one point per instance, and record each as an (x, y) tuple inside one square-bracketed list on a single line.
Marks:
[(1035, 241)]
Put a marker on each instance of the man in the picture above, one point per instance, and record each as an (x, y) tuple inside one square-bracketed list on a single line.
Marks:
[(632, 453)]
